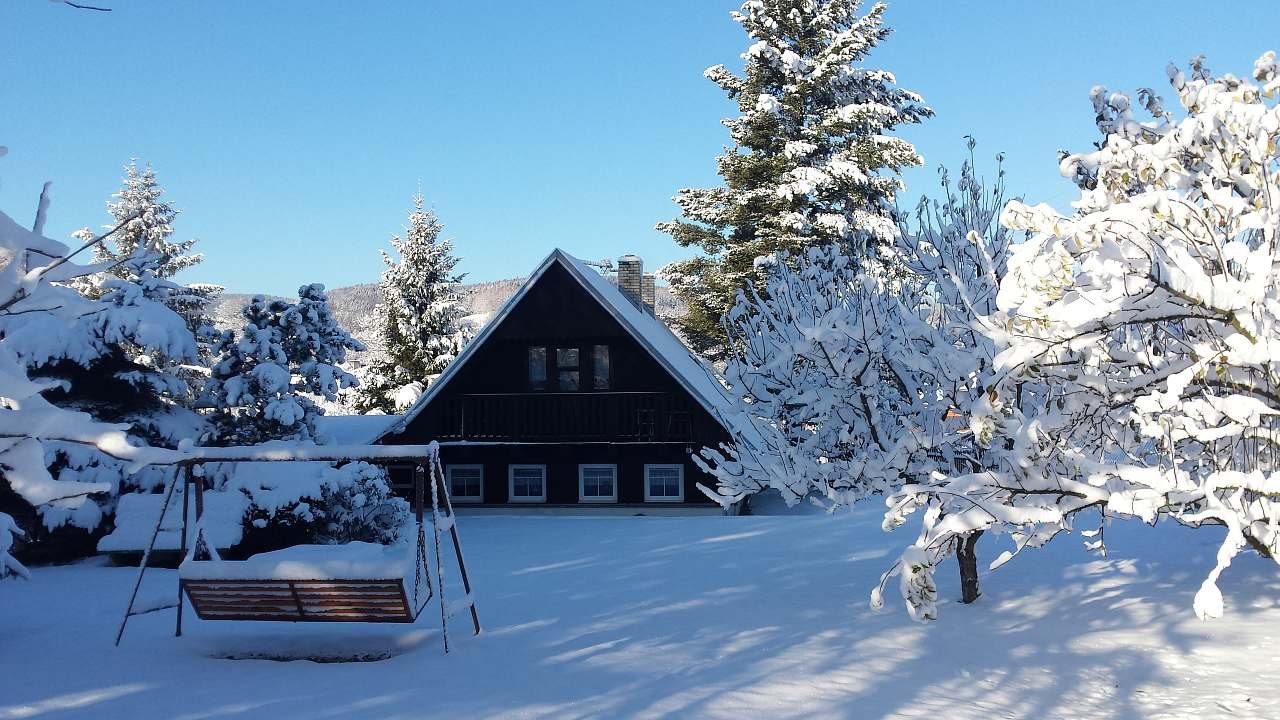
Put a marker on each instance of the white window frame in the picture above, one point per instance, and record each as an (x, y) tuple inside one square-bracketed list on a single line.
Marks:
[(448, 477), (511, 484), (663, 498), (582, 484)]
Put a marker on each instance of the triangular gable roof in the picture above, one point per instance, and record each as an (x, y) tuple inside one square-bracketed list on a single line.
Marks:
[(687, 369)]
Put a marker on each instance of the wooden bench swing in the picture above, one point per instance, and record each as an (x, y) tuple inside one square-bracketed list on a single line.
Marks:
[(358, 591)]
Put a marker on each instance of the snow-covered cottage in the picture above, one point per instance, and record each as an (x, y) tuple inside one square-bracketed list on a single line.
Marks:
[(573, 393)]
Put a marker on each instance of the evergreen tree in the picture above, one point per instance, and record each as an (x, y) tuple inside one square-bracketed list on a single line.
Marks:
[(112, 358), (812, 162), (419, 319), (258, 390), (151, 228)]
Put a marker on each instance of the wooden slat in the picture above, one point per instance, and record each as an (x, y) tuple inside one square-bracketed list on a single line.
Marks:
[(302, 591), (300, 600)]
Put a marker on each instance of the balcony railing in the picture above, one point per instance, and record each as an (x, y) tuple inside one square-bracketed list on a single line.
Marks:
[(561, 417)]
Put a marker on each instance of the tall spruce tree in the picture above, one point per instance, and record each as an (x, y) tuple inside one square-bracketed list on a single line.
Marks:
[(812, 162), (149, 231), (419, 319)]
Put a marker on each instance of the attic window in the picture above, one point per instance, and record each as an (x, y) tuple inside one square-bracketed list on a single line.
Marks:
[(567, 373), (537, 368), (600, 367)]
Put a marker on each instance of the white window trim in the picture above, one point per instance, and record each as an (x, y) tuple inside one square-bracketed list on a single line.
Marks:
[(582, 484), (511, 484), (650, 498), (448, 476)]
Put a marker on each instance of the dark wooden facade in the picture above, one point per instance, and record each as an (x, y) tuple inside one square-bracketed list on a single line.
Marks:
[(493, 411)]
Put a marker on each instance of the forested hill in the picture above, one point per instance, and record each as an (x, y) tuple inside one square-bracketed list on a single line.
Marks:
[(354, 305)]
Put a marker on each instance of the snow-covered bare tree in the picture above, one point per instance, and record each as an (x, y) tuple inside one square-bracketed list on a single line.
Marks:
[(813, 161), (259, 389), (1145, 325), (855, 379), (958, 249), (836, 367), (419, 318)]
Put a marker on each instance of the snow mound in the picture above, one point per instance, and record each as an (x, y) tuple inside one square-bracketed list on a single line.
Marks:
[(352, 561), (136, 519)]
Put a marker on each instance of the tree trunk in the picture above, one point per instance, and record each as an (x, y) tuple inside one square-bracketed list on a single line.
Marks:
[(967, 557)]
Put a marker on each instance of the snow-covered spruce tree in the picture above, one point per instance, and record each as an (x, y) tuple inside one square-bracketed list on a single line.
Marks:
[(121, 361), (1148, 323), (42, 318), (317, 345), (812, 162), (258, 389), (419, 318), (150, 225), (142, 250)]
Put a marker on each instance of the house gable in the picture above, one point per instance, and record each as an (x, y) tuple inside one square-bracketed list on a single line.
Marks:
[(564, 301)]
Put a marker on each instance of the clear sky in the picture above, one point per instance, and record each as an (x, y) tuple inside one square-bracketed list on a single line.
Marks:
[(292, 134)]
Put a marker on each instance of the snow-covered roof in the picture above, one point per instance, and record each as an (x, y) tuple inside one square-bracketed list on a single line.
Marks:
[(690, 371), (354, 429)]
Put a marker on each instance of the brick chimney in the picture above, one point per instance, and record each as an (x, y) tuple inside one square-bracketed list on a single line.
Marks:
[(648, 291), (631, 279)]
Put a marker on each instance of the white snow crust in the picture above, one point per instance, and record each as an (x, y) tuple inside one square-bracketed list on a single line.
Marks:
[(352, 561)]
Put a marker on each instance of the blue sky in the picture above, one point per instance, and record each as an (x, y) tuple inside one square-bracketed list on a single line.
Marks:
[(292, 134)]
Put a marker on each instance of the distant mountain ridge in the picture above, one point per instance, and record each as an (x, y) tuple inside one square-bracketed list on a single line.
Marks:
[(354, 306)]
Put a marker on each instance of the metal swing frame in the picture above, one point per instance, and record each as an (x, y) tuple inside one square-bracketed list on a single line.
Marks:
[(329, 600)]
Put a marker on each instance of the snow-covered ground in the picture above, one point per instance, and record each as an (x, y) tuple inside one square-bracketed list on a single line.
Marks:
[(685, 617)]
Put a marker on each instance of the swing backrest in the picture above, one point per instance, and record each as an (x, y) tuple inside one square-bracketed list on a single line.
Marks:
[(301, 600)]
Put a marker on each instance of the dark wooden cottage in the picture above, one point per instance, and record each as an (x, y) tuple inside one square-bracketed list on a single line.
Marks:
[(572, 393)]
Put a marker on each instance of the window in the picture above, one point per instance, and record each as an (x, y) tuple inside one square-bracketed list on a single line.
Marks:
[(600, 367), (400, 478), (537, 368), (598, 483), (528, 483), (567, 369), (466, 482), (664, 483)]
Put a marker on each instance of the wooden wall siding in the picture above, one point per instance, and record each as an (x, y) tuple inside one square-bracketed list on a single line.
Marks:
[(562, 468), (489, 399)]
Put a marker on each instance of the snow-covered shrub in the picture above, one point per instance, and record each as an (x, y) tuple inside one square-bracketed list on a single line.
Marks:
[(9, 565), (315, 503), (357, 505), (1146, 326)]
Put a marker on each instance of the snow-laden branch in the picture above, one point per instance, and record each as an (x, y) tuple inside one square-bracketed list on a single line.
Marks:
[(1148, 325)]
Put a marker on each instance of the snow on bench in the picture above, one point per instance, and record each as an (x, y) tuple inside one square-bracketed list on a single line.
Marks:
[(136, 516), (352, 561), (355, 582)]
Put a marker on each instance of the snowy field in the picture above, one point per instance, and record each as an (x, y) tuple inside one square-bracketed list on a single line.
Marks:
[(685, 617)]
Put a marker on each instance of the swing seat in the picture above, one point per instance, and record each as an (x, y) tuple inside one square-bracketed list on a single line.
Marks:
[(356, 582)]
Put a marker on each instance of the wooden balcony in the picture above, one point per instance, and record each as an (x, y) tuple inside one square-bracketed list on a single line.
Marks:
[(565, 417)]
